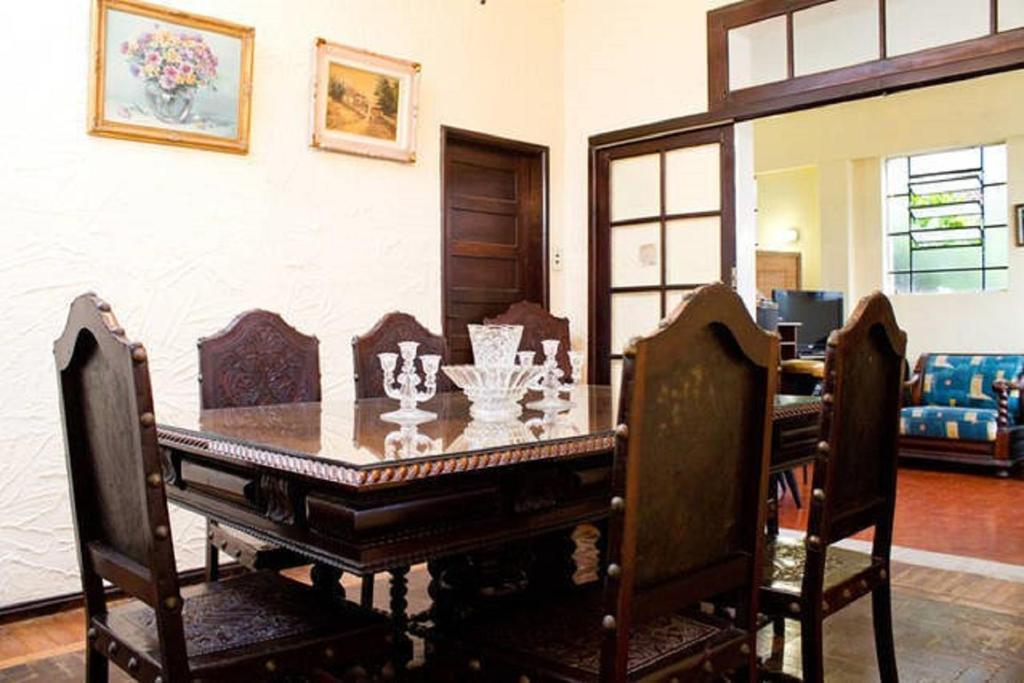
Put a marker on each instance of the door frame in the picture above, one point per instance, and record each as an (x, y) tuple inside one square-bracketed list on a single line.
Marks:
[(543, 153), (599, 249)]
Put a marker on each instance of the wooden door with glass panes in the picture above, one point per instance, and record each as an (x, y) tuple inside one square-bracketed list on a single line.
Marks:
[(664, 225)]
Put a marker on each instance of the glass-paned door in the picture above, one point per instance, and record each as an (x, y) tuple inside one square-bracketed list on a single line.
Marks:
[(664, 226)]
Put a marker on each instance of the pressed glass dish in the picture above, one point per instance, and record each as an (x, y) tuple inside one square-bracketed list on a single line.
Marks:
[(494, 392)]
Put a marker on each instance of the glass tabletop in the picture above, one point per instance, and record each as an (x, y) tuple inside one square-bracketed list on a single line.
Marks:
[(353, 434)]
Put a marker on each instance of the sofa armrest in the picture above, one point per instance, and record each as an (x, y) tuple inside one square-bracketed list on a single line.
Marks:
[(1002, 389)]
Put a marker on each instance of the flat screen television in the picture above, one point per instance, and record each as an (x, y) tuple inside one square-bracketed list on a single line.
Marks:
[(818, 313)]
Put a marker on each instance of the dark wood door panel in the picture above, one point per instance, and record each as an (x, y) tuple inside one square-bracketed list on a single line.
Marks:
[(494, 195)]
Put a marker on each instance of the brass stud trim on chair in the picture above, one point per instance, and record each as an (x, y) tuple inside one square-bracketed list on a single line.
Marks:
[(824, 606), (847, 594), (794, 607), (154, 480), (744, 649), (824, 448), (827, 399), (883, 574), (147, 419), (622, 431), (524, 679), (863, 584), (618, 504), (112, 648), (818, 495), (103, 307), (614, 570), (709, 666), (139, 354), (813, 542), (475, 665), (329, 653), (133, 664), (270, 666), (172, 602), (161, 531), (608, 622), (91, 633)]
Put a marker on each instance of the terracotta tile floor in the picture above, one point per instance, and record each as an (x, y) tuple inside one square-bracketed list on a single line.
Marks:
[(958, 512)]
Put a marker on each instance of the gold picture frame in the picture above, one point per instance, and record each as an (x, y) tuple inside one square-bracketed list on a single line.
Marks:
[(364, 103), (169, 77)]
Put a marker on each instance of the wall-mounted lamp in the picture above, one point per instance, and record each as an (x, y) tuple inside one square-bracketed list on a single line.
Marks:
[(789, 236)]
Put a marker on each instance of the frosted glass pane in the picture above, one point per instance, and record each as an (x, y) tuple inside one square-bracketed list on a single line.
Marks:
[(834, 35), (757, 53), (1011, 14), (636, 187), (633, 315), (673, 298), (636, 255), (692, 179), (913, 25), (693, 251), (616, 380)]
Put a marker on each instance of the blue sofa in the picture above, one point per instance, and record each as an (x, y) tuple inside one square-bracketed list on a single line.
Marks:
[(965, 408)]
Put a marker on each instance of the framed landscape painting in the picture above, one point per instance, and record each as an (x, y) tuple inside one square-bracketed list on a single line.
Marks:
[(364, 103), (160, 75)]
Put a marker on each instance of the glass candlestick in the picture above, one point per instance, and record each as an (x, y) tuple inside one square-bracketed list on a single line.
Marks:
[(550, 380), (405, 388), (408, 442)]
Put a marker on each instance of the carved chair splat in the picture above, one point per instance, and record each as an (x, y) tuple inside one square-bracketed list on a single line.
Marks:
[(258, 359), (854, 488), (248, 628)]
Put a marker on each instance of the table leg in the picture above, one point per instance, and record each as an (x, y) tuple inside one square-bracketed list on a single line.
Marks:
[(772, 521), (327, 579), (402, 644)]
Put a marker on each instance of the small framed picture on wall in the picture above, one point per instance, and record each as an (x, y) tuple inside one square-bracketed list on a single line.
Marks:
[(364, 103), (1018, 214)]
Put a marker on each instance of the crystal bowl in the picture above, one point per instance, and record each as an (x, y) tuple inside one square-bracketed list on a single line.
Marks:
[(494, 392), (494, 345)]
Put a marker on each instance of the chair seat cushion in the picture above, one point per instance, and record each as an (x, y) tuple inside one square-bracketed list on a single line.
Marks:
[(260, 610), (784, 565), (943, 422), (562, 635)]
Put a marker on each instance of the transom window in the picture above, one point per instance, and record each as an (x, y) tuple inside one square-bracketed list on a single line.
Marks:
[(946, 221)]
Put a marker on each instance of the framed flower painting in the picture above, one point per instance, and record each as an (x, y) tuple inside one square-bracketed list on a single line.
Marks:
[(364, 103), (160, 75)]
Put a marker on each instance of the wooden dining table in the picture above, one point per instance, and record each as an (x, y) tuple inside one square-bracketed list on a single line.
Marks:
[(355, 493)]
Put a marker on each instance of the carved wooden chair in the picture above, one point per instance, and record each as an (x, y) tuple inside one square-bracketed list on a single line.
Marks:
[(384, 337), (538, 325), (258, 359), (247, 628), (854, 488), (689, 484)]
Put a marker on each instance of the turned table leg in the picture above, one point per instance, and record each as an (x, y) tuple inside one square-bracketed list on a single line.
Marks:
[(327, 579), (400, 616)]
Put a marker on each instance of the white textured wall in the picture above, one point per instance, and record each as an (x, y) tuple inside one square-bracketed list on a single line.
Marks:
[(180, 240), (626, 63)]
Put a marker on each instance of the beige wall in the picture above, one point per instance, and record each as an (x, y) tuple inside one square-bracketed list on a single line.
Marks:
[(788, 199), (180, 240), (846, 144)]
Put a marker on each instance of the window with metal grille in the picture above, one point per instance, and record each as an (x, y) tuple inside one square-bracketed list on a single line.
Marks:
[(946, 221)]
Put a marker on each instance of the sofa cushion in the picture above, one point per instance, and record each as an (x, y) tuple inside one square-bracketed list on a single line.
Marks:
[(943, 422), (966, 381)]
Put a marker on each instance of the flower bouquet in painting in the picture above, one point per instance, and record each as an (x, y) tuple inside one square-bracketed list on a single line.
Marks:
[(173, 66)]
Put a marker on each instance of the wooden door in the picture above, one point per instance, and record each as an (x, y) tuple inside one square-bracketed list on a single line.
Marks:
[(664, 224), (777, 270), (494, 205)]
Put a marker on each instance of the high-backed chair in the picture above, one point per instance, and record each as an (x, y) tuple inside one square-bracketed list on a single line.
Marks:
[(247, 628), (854, 488), (383, 337), (258, 359), (689, 485), (538, 325)]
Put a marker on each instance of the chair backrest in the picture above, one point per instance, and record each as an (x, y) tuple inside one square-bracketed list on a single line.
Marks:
[(966, 380), (258, 359), (538, 325), (855, 480), (691, 466), (383, 337), (115, 473)]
